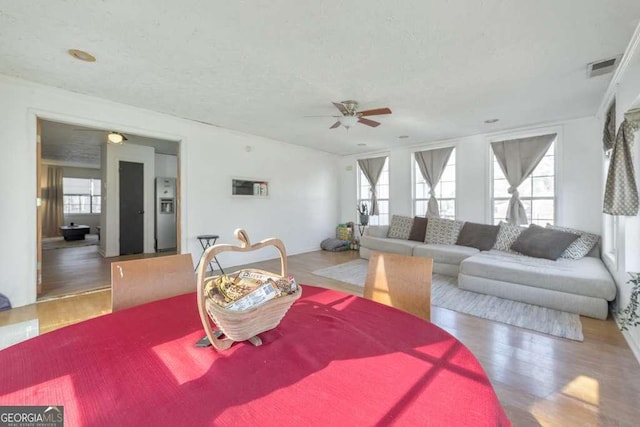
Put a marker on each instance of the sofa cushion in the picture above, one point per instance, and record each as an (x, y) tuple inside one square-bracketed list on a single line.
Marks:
[(479, 236), (376, 230), (445, 254), (442, 231), (542, 242), (419, 229), (586, 276), (400, 227), (581, 246), (507, 234), (385, 244)]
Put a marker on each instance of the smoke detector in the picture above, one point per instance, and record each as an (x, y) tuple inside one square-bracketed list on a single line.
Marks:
[(603, 66)]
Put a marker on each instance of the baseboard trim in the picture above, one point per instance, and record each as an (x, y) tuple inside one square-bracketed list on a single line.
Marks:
[(633, 344), (304, 250)]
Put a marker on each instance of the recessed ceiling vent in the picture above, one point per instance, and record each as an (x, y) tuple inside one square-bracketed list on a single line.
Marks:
[(604, 66)]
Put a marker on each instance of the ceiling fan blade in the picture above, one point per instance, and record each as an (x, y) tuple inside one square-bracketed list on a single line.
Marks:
[(124, 138), (368, 122), (335, 125), (342, 108), (374, 112)]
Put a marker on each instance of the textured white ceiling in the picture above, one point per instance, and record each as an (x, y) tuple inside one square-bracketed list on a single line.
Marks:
[(80, 146), (262, 66)]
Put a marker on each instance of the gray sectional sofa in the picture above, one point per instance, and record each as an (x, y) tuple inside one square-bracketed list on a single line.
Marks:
[(582, 286)]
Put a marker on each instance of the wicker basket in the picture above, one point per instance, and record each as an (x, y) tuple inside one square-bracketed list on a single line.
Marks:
[(247, 324)]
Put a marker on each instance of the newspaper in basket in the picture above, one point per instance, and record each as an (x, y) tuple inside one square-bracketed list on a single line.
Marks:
[(246, 317)]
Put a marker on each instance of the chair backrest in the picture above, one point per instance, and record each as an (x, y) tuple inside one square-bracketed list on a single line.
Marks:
[(400, 281), (145, 280)]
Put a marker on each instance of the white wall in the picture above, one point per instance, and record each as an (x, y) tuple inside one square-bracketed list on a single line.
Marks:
[(578, 175), (301, 210), (166, 166), (627, 257)]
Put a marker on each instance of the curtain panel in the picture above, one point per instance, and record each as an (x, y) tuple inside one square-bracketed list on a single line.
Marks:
[(52, 197), (609, 132), (621, 191), (372, 168), (431, 164), (517, 159)]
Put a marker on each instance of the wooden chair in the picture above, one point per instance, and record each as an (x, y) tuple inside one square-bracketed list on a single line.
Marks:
[(400, 281), (150, 279)]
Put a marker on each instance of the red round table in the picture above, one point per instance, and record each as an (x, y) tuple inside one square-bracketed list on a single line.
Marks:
[(335, 359)]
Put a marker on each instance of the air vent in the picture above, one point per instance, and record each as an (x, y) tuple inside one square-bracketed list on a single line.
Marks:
[(604, 66)]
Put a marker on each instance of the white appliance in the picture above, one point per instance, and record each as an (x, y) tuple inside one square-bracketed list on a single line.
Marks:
[(165, 214)]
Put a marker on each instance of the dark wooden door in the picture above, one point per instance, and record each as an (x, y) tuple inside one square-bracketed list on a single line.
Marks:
[(131, 208)]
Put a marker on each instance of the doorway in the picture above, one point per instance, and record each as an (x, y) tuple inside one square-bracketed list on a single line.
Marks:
[(78, 266), (131, 176)]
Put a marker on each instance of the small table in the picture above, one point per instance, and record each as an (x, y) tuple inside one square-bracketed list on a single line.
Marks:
[(206, 241), (74, 232)]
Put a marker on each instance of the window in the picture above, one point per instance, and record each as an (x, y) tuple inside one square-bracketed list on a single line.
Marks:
[(81, 195), (445, 190), (537, 192), (611, 237), (382, 194)]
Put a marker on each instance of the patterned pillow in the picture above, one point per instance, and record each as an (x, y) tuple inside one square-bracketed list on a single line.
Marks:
[(400, 227), (581, 246), (507, 234), (442, 231)]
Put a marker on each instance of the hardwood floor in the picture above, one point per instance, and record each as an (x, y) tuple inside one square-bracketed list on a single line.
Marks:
[(540, 379), (77, 270)]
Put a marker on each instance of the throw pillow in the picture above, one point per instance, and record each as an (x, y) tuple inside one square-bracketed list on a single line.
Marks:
[(400, 227), (581, 246), (334, 245), (542, 242), (442, 231), (419, 229), (507, 234), (480, 236)]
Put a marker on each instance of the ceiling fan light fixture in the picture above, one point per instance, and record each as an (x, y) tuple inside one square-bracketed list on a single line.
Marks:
[(348, 121), (115, 138)]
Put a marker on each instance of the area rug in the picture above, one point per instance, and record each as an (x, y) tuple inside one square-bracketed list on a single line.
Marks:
[(446, 294), (49, 243)]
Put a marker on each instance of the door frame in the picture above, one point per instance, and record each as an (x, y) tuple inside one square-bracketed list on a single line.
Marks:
[(111, 209), (35, 117), (39, 207)]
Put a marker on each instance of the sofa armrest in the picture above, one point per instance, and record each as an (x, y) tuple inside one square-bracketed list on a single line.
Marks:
[(376, 230)]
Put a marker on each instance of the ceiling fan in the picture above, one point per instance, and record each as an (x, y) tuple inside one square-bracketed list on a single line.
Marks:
[(351, 115), (113, 137)]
